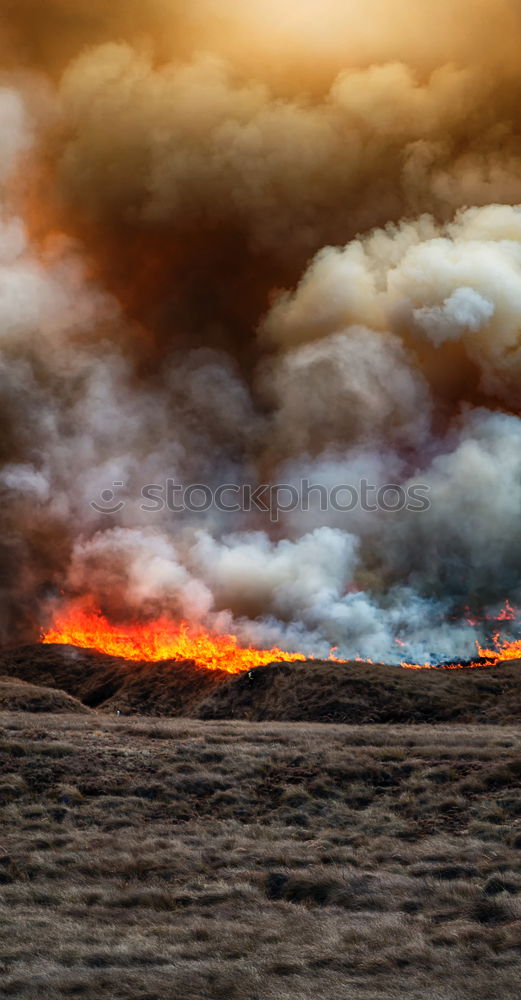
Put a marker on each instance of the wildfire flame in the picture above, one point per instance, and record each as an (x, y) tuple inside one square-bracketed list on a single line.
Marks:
[(161, 639), (446, 666), (503, 650)]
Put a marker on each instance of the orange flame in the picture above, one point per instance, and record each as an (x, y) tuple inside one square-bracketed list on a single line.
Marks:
[(504, 650), (161, 639), (444, 666), (507, 613)]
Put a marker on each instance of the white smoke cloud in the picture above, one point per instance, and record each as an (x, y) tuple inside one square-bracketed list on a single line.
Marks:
[(465, 311), (459, 282), (355, 386), (357, 381), (286, 578), (139, 567)]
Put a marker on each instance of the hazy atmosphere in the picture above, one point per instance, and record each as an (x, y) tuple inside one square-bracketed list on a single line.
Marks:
[(257, 244), (260, 491)]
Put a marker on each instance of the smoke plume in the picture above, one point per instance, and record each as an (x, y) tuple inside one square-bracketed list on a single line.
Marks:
[(259, 244)]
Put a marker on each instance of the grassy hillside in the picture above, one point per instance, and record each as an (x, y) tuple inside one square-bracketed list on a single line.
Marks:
[(18, 696), (307, 691), (111, 683), (361, 692), (186, 860)]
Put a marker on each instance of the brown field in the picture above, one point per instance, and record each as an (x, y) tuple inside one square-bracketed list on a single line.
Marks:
[(199, 860), (309, 691), (18, 696)]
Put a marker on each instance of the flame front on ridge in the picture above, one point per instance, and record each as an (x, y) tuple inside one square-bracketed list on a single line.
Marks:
[(161, 639)]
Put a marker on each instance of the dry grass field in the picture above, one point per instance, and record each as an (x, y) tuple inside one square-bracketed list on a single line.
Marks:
[(200, 860), (18, 696), (309, 691)]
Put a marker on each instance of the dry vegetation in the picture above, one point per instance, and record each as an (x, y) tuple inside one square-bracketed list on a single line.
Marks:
[(111, 683), (190, 860), (17, 696), (311, 691), (368, 693)]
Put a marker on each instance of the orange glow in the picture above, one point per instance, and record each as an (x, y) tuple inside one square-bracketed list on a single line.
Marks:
[(446, 666), (508, 613), (161, 639), (503, 650)]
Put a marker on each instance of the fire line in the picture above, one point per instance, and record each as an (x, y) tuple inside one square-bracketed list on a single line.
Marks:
[(163, 639)]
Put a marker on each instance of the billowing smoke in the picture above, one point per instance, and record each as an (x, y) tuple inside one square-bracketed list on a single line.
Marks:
[(243, 246)]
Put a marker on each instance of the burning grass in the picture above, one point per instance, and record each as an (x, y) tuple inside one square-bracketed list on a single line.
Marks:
[(188, 860), (79, 623), (85, 627)]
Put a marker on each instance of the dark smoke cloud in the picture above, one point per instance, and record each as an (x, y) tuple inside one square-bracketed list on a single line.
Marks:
[(221, 265)]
